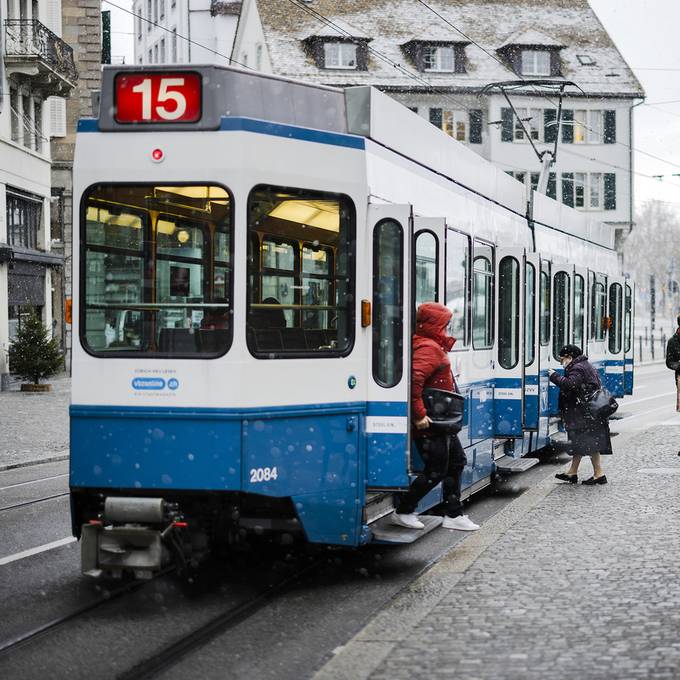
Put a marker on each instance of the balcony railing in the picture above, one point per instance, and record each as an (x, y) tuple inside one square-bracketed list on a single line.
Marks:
[(32, 40)]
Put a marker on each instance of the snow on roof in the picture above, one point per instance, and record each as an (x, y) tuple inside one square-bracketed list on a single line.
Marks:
[(492, 23), (339, 29), (530, 37)]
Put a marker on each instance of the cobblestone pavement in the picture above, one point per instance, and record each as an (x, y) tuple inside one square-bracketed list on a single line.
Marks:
[(566, 582), (34, 427)]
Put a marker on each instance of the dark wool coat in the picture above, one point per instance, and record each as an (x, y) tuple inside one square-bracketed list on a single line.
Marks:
[(673, 352), (587, 436)]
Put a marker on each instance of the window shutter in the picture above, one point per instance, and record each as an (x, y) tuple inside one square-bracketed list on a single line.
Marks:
[(459, 59), (506, 124), (568, 188), (551, 190), (436, 117), (56, 109), (53, 16), (610, 127), (567, 126), (362, 56), (555, 69), (475, 126), (550, 125), (610, 191)]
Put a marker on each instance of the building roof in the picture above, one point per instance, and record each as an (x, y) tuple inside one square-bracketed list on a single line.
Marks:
[(491, 23)]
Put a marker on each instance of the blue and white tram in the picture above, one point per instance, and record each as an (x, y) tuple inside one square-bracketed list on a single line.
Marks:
[(250, 253)]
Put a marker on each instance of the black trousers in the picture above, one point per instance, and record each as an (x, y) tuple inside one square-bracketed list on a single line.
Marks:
[(444, 460)]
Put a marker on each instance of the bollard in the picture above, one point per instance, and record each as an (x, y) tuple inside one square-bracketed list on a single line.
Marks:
[(651, 343), (663, 345), (640, 337)]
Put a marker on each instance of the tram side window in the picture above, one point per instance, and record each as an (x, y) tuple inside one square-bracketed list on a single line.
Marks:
[(615, 303), (427, 258), (560, 331), (388, 308), (597, 310), (545, 303), (156, 266), (529, 314), (579, 310), (457, 284), (508, 312), (300, 273), (628, 323), (482, 296)]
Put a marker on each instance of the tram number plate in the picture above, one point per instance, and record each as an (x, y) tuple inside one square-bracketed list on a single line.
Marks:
[(158, 98), (263, 474)]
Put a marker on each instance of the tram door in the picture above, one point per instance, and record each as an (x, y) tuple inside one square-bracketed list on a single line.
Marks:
[(532, 355), (428, 260), (508, 393), (579, 310), (615, 366), (389, 238), (560, 324), (628, 339)]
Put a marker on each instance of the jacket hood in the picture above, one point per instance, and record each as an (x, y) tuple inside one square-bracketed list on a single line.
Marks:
[(432, 319)]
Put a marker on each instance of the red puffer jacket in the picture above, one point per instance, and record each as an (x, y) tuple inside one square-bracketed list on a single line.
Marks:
[(431, 365)]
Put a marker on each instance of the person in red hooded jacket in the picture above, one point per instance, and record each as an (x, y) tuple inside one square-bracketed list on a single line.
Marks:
[(442, 454)]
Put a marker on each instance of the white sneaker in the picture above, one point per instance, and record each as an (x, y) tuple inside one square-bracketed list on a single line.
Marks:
[(462, 523), (409, 521)]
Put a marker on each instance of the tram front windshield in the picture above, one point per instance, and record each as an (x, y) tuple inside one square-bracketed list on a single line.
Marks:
[(156, 270)]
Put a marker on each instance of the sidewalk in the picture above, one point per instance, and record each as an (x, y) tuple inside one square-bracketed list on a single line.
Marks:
[(34, 427), (566, 582)]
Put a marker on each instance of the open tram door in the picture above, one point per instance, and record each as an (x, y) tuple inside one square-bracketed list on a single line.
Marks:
[(388, 240), (508, 392), (562, 305), (628, 343), (532, 356), (615, 365)]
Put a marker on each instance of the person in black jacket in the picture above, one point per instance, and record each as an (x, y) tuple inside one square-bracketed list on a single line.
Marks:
[(588, 437), (673, 360)]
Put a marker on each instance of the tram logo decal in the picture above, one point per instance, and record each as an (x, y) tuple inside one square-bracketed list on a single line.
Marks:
[(149, 384)]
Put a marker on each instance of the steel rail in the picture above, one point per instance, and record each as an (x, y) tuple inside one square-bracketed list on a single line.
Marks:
[(33, 502)]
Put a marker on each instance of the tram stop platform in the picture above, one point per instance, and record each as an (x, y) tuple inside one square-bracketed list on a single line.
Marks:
[(567, 581)]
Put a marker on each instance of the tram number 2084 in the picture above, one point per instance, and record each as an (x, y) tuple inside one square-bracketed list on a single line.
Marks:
[(263, 474)]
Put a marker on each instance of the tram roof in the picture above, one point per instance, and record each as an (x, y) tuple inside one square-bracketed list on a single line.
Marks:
[(364, 111)]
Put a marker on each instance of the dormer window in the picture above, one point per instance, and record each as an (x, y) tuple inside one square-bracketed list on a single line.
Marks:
[(340, 55), (438, 58), (536, 63)]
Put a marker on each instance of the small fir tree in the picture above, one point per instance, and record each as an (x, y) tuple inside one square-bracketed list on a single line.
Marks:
[(33, 355)]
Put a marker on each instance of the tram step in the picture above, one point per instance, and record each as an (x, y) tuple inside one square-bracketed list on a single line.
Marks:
[(507, 464), (386, 532), (378, 505)]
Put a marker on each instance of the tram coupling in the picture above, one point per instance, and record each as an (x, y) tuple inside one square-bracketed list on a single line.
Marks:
[(140, 536)]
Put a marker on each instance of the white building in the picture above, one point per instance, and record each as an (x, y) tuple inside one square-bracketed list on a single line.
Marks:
[(404, 49), (35, 64), (184, 31)]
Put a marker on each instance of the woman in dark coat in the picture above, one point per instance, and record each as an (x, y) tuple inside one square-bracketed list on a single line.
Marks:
[(588, 437)]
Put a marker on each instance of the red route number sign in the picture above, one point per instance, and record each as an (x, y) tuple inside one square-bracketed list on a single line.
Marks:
[(158, 98)]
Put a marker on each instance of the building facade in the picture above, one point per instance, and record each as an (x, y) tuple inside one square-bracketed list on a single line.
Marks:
[(36, 68), (184, 31), (440, 66)]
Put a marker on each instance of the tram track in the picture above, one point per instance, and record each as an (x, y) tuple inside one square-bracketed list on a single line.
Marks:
[(17, 641), (33, 501), (230, 618)]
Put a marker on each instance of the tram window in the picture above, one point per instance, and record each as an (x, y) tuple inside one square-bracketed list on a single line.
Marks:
[(156, 274), (508, 312), (615, 302), (300, 273), (628, 324), (482, 296), (388, 309), (560, 330), (427, 257), (579, 309), (597, 310), (545, 303), (457, 284), (529, 314)]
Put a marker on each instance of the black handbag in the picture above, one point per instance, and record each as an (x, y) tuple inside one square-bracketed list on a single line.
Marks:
[(445, 409), (599, 404)]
